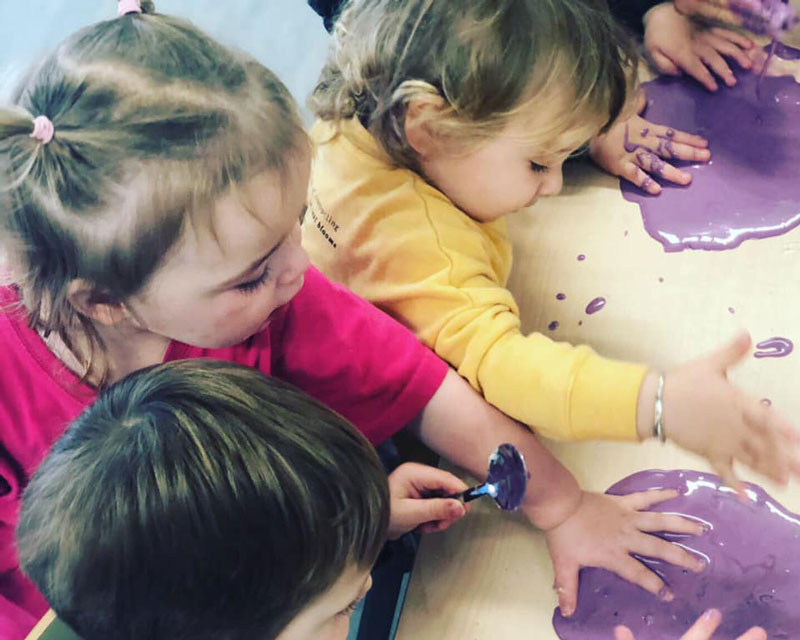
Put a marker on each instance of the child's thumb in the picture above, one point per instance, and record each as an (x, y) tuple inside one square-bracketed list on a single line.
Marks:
[(436, 509), (732, 352)]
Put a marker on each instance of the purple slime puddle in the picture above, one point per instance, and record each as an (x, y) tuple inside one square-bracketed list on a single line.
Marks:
[(749, 189), (731, 310), (561, 296), (553, 325), (776, 347), (753, 573), (595, 305), (581, 258)]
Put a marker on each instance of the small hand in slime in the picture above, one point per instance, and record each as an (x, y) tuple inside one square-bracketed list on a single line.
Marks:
[(636, 149), (673, 42), (701, 630), (607, 531)]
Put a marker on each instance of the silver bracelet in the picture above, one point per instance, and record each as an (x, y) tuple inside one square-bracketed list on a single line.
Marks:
[(658, 425)]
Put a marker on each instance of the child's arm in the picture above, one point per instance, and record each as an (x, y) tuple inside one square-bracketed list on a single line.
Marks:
[(583, 529)]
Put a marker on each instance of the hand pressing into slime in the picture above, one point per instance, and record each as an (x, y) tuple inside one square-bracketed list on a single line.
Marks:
[(704, 413), (605, 530), (675, 43), (701, 630), (409, 510), (636, 149)]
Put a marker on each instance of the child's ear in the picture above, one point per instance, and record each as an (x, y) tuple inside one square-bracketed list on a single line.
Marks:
[(95, 304), (418, 124)]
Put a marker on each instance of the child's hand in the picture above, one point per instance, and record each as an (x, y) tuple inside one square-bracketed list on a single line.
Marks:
[(706, 414), (701, 630), (674, 43), (407, 484), (634, 148), (605, 530)]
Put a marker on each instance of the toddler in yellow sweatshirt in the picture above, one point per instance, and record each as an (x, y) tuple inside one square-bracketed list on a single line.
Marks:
[(437, 119)]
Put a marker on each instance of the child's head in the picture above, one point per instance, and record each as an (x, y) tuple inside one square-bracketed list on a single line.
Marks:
[(479, 95), (176, 167), (201, 499)]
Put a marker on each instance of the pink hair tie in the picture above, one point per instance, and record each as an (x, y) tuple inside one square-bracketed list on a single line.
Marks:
[(43, 129), (129, 6)]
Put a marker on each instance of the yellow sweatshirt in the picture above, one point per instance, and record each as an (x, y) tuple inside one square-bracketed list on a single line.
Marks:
[(400, 243)]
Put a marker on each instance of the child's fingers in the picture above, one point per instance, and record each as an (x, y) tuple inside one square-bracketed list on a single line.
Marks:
[(659, 549), (756, 633), (422, 477), (633, 173), (632, 570), (642, 500), (651, 163), (664, 64), (724, 469), (623, 633), (730, 49), (705, 626), (733, 36), (566, 586), (731, 353), (711, 58), (652, 522), (694, 66)]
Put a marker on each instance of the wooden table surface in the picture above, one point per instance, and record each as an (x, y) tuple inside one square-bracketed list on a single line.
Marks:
[(489, 577)]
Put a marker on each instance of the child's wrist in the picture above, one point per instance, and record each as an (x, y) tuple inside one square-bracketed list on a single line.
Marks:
[(556, 510)]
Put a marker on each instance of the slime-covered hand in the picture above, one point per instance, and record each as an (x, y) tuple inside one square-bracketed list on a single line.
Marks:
[(674, 43), (604, 532), (638, 151)]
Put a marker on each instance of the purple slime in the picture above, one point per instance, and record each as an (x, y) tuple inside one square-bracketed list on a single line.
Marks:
[(595, 305), (561, 296), (553, 325), (750, 188), (753, 573), (581, 258), (774, 348)]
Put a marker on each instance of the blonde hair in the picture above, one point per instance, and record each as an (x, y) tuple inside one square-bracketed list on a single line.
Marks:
[(485, 60), (153, 120)]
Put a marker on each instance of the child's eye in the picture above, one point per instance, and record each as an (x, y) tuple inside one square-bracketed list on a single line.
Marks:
[(253, 285), (538, 168), (350, 608)]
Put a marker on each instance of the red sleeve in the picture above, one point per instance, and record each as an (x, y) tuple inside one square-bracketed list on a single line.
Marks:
[(354, 358)]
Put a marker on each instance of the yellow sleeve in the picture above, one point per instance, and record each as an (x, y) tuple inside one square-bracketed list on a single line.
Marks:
[(413, 254)]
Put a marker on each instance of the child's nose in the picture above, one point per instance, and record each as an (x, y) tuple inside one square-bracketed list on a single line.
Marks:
[(298, 265), (553, 182)]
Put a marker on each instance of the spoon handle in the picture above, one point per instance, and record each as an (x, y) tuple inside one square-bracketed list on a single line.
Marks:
[(469, 495)]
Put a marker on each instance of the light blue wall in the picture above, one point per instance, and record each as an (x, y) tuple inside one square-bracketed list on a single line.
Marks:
[(285, 35)]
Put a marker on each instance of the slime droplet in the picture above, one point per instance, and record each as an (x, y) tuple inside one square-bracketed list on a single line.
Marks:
[(595, 305), (774, 348), (553, 325)]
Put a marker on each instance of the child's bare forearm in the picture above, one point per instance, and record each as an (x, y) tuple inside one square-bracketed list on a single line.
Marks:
[(461, 426)]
